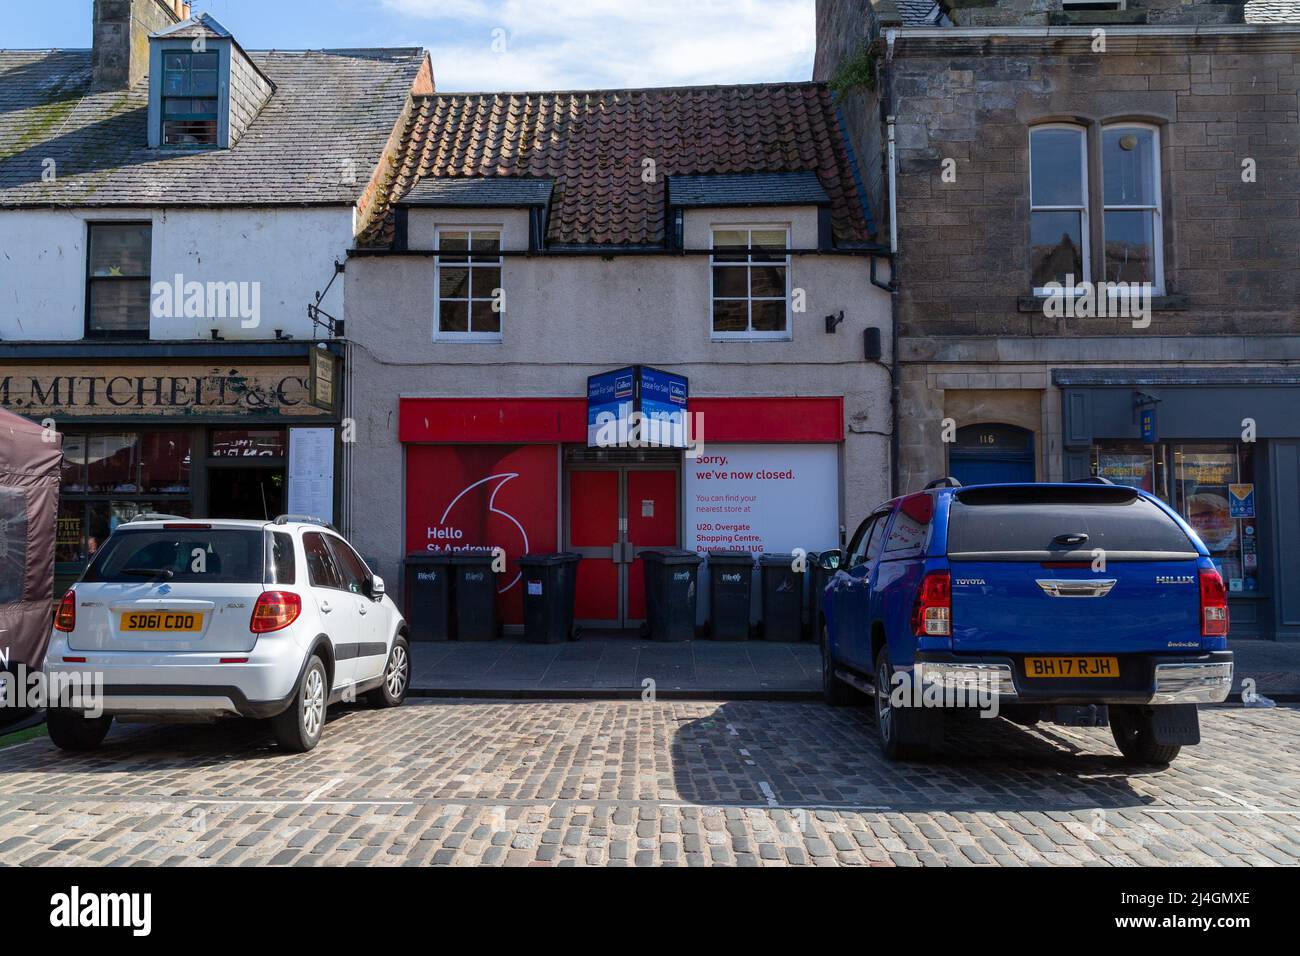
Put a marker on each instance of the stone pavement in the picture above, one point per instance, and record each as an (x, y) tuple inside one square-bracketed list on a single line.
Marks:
[(669, 782), (708, 668), (1274, 666)]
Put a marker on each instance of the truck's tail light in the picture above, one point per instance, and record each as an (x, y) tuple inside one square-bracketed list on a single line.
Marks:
[(932, 615), (275, 610), (65, 618), (1214, 604)]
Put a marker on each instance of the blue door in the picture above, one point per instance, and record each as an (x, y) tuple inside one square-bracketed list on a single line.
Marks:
[(987, 454)]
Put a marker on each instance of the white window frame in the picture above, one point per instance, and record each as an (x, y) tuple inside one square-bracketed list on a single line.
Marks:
[(1085, 232), (749, 335), (1157, 220), (470, 228)]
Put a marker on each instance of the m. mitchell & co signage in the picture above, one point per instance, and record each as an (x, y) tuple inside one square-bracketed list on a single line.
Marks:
[(184, 390)]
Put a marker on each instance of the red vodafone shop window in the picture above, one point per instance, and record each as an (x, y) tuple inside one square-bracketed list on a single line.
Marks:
[(484, 496)]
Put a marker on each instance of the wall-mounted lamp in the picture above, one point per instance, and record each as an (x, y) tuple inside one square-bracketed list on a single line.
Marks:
[(833, 320), (216, 335)]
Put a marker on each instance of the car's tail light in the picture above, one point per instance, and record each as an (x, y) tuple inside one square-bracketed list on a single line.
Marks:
[(65, 618), (932, 615), (275, 610), (1214, 604)]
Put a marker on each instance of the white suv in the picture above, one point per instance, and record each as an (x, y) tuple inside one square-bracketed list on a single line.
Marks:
[(193, 618)]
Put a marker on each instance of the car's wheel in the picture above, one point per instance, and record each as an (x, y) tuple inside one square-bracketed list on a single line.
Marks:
[(299, 728), (397, 677), (73, 730), (834, 691), (905, 732), (1136, 740)]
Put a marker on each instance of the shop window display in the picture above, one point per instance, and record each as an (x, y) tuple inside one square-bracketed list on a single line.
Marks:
[(1211, 484), (109, 478)]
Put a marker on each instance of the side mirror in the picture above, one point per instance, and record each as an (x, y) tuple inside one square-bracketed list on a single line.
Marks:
[(831, 560), (376, 587)]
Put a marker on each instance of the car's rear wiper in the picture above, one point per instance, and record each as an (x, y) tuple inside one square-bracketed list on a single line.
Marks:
[(150, 572)]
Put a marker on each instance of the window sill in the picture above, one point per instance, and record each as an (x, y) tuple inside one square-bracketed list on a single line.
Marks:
[(1074, 18), (746, 337), (1159, 303), (467, 339)]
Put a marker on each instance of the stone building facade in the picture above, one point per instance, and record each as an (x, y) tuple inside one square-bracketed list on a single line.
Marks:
[(1154, 144)]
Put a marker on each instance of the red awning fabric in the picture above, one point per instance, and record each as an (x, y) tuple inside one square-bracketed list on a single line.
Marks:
[(530, 420), (30, 459)]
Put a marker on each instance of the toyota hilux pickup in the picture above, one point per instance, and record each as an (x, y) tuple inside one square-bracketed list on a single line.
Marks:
[(1083, 604)]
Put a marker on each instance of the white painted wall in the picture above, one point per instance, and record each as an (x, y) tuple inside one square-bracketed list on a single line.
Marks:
[(289, 251)]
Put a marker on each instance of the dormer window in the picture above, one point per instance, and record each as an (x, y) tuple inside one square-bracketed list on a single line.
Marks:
[(189, 98), (204, 90)]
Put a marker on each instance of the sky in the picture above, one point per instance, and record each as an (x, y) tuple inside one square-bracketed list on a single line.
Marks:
[(502, 44)]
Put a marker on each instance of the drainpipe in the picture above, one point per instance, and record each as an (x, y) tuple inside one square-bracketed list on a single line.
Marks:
[(895, 393)]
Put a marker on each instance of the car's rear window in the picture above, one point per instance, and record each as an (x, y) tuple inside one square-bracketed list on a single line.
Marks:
[(1030, 520), (192, 555)]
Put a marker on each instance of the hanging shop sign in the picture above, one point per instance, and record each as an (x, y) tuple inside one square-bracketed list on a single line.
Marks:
[(637, 407), (1147, 419), (320, 382), (181, 391)]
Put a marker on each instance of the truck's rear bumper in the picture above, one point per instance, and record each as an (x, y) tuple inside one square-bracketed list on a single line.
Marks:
[(1143, 678)]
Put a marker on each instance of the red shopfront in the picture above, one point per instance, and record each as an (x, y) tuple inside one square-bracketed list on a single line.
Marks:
[(516, 473)]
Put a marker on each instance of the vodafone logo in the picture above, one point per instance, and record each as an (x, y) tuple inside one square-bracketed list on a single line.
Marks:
[(463, 511)]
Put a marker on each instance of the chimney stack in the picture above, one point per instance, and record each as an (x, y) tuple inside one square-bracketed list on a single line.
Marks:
[(120, 55)]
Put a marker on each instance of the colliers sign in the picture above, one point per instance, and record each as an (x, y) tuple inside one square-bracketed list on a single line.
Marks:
[(176, 390)]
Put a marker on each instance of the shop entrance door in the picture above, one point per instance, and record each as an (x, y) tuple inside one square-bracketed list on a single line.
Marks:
[(614, 512)]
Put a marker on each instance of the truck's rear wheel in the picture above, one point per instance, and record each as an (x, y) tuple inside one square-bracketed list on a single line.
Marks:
[(1135, 738), (905, 732)]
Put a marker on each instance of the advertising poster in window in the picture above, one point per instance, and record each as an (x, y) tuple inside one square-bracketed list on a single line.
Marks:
[(762, 498), (1204, 479), (480, 497), (1134, 470)]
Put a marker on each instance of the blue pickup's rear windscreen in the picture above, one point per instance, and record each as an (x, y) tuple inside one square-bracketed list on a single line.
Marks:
[(991, 520)]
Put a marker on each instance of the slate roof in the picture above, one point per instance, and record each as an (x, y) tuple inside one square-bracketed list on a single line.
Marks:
[(920, 12), (595, 145), (316, 141), (500, 192), (748, 189), (1272, 11)]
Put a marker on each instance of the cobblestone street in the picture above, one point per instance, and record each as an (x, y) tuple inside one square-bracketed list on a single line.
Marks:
[(688, 783)]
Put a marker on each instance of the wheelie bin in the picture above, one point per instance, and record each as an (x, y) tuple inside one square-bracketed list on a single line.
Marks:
[(729, 589), (781, 598), (549, 588), (474, 596), (818, 577), (426, 594), (670, 593)]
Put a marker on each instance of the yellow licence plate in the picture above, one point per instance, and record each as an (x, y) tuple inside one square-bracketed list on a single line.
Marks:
[(174, 621), (1071, 666)]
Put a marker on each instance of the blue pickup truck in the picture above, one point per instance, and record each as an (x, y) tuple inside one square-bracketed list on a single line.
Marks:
[(1083, 604)]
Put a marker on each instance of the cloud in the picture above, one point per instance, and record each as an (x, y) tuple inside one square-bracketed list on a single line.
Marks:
[(577, 44)]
